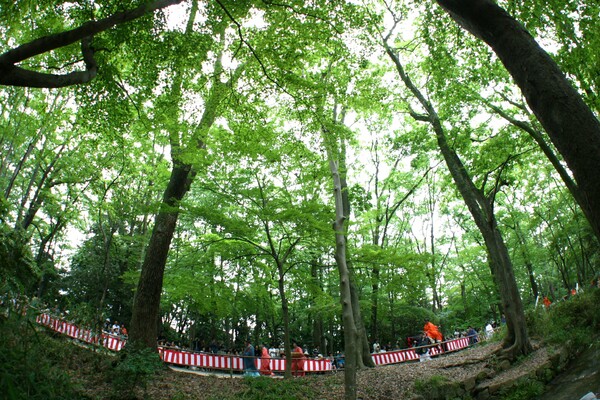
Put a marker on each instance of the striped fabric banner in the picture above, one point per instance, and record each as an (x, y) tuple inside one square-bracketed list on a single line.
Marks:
[(236, 363), (111, 342), (398, 356)]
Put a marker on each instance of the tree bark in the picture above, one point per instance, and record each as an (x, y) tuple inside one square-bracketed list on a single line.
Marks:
[(350, 331), (516, 342), (571, 125), (12, 75), (145, 313)]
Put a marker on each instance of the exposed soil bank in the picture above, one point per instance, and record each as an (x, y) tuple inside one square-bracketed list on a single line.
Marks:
[(581, 376)]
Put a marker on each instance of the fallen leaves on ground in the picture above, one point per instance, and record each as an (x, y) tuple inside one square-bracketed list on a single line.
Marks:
[(380, 383)]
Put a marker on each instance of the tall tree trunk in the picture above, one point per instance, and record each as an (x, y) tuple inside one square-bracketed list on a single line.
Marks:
[(317, 317), (144, 319), (527, 260), (350, 331), (285, 315), (375, 279), (571, 125), (363, 349), (145, 313), (481, 208)]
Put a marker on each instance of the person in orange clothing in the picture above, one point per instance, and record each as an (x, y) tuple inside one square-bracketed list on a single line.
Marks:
[(265, 361), (432, 331), (297, 360), (547, 302)]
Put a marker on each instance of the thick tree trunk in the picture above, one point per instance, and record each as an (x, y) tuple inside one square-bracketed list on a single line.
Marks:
[(516, 342), (144, 320), (571, 125)]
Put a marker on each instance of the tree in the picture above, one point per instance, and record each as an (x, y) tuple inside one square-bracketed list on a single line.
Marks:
[(147, 298), (571, 125), (351, 337), (481, 207), (13, 75)]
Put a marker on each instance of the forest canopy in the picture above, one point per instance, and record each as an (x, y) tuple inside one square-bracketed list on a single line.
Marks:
[(175, 158)]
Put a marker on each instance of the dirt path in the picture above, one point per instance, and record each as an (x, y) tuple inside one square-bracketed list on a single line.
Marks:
[(392, 382)]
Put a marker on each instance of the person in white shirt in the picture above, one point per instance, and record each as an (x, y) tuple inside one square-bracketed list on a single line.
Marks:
[(489, 331), (116, 328), (376, 347)]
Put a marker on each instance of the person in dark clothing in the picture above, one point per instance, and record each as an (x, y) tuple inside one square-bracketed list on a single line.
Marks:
[(472, 335), (422, 346), (249, 365)]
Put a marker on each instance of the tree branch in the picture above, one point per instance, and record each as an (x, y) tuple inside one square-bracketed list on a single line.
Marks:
[(12, 75)]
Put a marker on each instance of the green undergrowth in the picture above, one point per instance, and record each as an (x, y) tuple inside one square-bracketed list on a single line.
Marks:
[(33, 365), (526, 389), (568, 323), (440, 387), (36, 363), (262, 388), (132, 370)]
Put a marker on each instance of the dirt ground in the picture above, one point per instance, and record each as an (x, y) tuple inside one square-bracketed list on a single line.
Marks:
[(380, 383)]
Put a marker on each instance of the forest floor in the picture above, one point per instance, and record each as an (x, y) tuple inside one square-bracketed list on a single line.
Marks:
[(400, 381)]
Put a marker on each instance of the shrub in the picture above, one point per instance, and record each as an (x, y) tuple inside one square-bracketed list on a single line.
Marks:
[(28, 363), (570, 322), (134, 369), (527, 389)]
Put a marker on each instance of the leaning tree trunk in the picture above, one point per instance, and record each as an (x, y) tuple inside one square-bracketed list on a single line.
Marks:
[(517, 340), (145, 313), (571, 125), (144, 319)]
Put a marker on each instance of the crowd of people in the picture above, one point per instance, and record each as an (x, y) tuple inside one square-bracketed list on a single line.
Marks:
[(431, 336), (114, 329), (298, 354)]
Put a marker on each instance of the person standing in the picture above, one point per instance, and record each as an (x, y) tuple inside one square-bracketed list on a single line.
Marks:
[(432, 331), (376, 347), (422, 347), (434, 334), (265, 361), (489, 331), (249, 366), (297, 360)]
